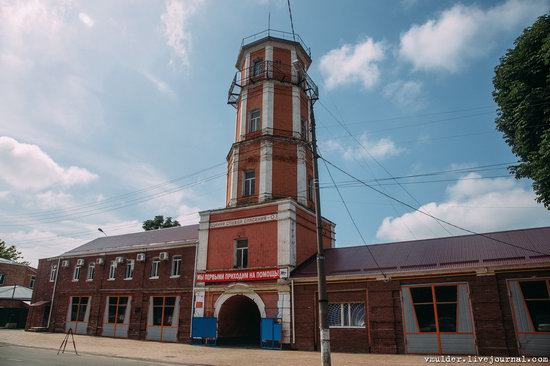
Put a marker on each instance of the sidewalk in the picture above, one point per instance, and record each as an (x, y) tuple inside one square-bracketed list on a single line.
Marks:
[(196, 355)]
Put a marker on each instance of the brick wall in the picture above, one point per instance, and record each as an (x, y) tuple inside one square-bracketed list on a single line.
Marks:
[(17, 274)]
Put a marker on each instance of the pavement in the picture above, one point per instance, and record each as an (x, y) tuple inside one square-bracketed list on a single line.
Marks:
[(40, 349)]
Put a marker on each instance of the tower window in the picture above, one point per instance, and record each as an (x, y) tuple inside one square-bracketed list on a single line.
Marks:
[(254, 121), (241, 253), (258, 67), (249, 182)]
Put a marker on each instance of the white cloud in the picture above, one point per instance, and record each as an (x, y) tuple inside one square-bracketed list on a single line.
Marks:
[(159, 84), (463, 33), (353, 64), (27, 167), (176, 30), (86, 19), (53, 200), (472, 204), (406, 94), (379, 149)]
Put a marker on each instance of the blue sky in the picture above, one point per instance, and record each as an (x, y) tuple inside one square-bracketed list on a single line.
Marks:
[(109, 108)]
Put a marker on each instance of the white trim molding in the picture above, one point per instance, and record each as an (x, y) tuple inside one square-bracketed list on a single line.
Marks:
[(267, 107), (243, 290), (301, 175), (286, 235), (202, 252), (266, 170), (234, 177)]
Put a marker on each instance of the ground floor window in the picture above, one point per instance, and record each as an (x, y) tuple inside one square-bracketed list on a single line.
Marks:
[(163, 310), (435, 307), (346, 315), (537, 301), (117, 309), (79, 305)]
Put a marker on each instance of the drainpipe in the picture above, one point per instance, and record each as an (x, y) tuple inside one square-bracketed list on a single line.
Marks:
[(293, 313), (193, 293), (53, 291)]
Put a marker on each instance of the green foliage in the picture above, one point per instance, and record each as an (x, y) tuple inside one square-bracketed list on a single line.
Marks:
[(10, 252), (159, 222), (522, 93)]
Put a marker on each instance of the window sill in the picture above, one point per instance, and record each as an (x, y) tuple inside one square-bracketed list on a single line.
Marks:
[(89, 280), (128, 279), (110, 279), (154, 278), (347, 327), (175, 276), (75, 280)]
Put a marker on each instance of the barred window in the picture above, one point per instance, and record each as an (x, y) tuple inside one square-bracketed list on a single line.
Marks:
[(347, 315)]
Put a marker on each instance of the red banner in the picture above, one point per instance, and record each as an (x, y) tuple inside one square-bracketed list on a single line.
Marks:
[(235, 276)]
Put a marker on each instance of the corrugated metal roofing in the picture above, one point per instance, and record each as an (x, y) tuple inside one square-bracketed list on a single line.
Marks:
[(180, 234), (448, 252), (15, 293)]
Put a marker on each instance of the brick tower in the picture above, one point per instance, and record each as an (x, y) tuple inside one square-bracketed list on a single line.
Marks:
[(247, 249)]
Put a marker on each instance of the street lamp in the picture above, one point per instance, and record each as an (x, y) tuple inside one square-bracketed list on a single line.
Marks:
[(101, 230)]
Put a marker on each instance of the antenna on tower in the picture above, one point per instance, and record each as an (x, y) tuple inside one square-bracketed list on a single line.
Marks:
[(268, 23), (291, 22)]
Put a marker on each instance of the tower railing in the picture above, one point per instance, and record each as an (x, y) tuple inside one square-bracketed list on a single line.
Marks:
[(271, 70), (276, 34)]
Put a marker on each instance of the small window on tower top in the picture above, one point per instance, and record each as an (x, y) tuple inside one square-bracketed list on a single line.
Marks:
[(254, 121), (249, 182)]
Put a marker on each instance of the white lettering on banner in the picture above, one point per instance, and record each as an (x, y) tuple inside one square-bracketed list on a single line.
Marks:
[(247, 275), (246, 220)]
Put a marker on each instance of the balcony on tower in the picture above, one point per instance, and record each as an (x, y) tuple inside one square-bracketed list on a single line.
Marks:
[(261, 58)]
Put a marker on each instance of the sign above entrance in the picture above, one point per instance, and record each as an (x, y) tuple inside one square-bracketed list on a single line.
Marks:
[(246, 275), (244, 221)]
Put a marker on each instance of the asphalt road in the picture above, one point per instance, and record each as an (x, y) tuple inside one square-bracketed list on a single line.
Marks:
[(11, 355)]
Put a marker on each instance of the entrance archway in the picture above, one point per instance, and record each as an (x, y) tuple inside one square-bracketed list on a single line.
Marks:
[(239, 322)]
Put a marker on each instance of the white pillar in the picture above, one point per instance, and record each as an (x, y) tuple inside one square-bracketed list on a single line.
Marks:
[(296, 114), (286, 234), (283, 312), (244, 115), (266, 169), (292, 58), (202, 252), (267, 107), (234, 177), (301, 176)]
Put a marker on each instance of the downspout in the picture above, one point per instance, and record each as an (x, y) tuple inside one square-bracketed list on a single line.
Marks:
[(292, 317), (53, 292), (193, 293)]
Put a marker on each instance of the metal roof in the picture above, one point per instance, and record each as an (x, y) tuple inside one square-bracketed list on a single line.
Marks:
[(438, 253), (15, 292), (174, 235)]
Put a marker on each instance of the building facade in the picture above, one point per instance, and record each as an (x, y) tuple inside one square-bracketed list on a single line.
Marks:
[(16, 284), (252, 262)]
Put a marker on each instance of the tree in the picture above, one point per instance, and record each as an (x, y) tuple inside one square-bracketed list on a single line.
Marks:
[(159, 222), (10, 252), (522, 93)]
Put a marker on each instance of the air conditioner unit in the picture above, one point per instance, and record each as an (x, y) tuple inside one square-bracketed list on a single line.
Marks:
[(80, 262), (140, 257), (120, 259), (65, 263), (163, 256), (100, 261)]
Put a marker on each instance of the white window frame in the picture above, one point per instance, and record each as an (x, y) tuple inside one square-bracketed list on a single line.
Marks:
[(76, 273), (129, 272), (175, 270), (249, 182), (155, 264), (112, 271), (33, 281), (255, 123), (53, 272), (91, 272), (239, 253), (343, 315)]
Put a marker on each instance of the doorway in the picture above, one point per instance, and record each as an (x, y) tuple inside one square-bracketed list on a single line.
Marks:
[(239, 322)]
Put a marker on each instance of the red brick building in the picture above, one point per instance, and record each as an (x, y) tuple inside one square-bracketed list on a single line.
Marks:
[(16, 284), (251, 264)]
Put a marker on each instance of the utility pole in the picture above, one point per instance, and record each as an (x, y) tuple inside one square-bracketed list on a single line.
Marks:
[(321, 275)]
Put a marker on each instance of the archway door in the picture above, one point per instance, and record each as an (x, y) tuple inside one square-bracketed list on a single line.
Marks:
[(239, 322)]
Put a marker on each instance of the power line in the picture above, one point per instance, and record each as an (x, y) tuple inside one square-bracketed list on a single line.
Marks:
[(379, 163), (353, 220), (430, 215)]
